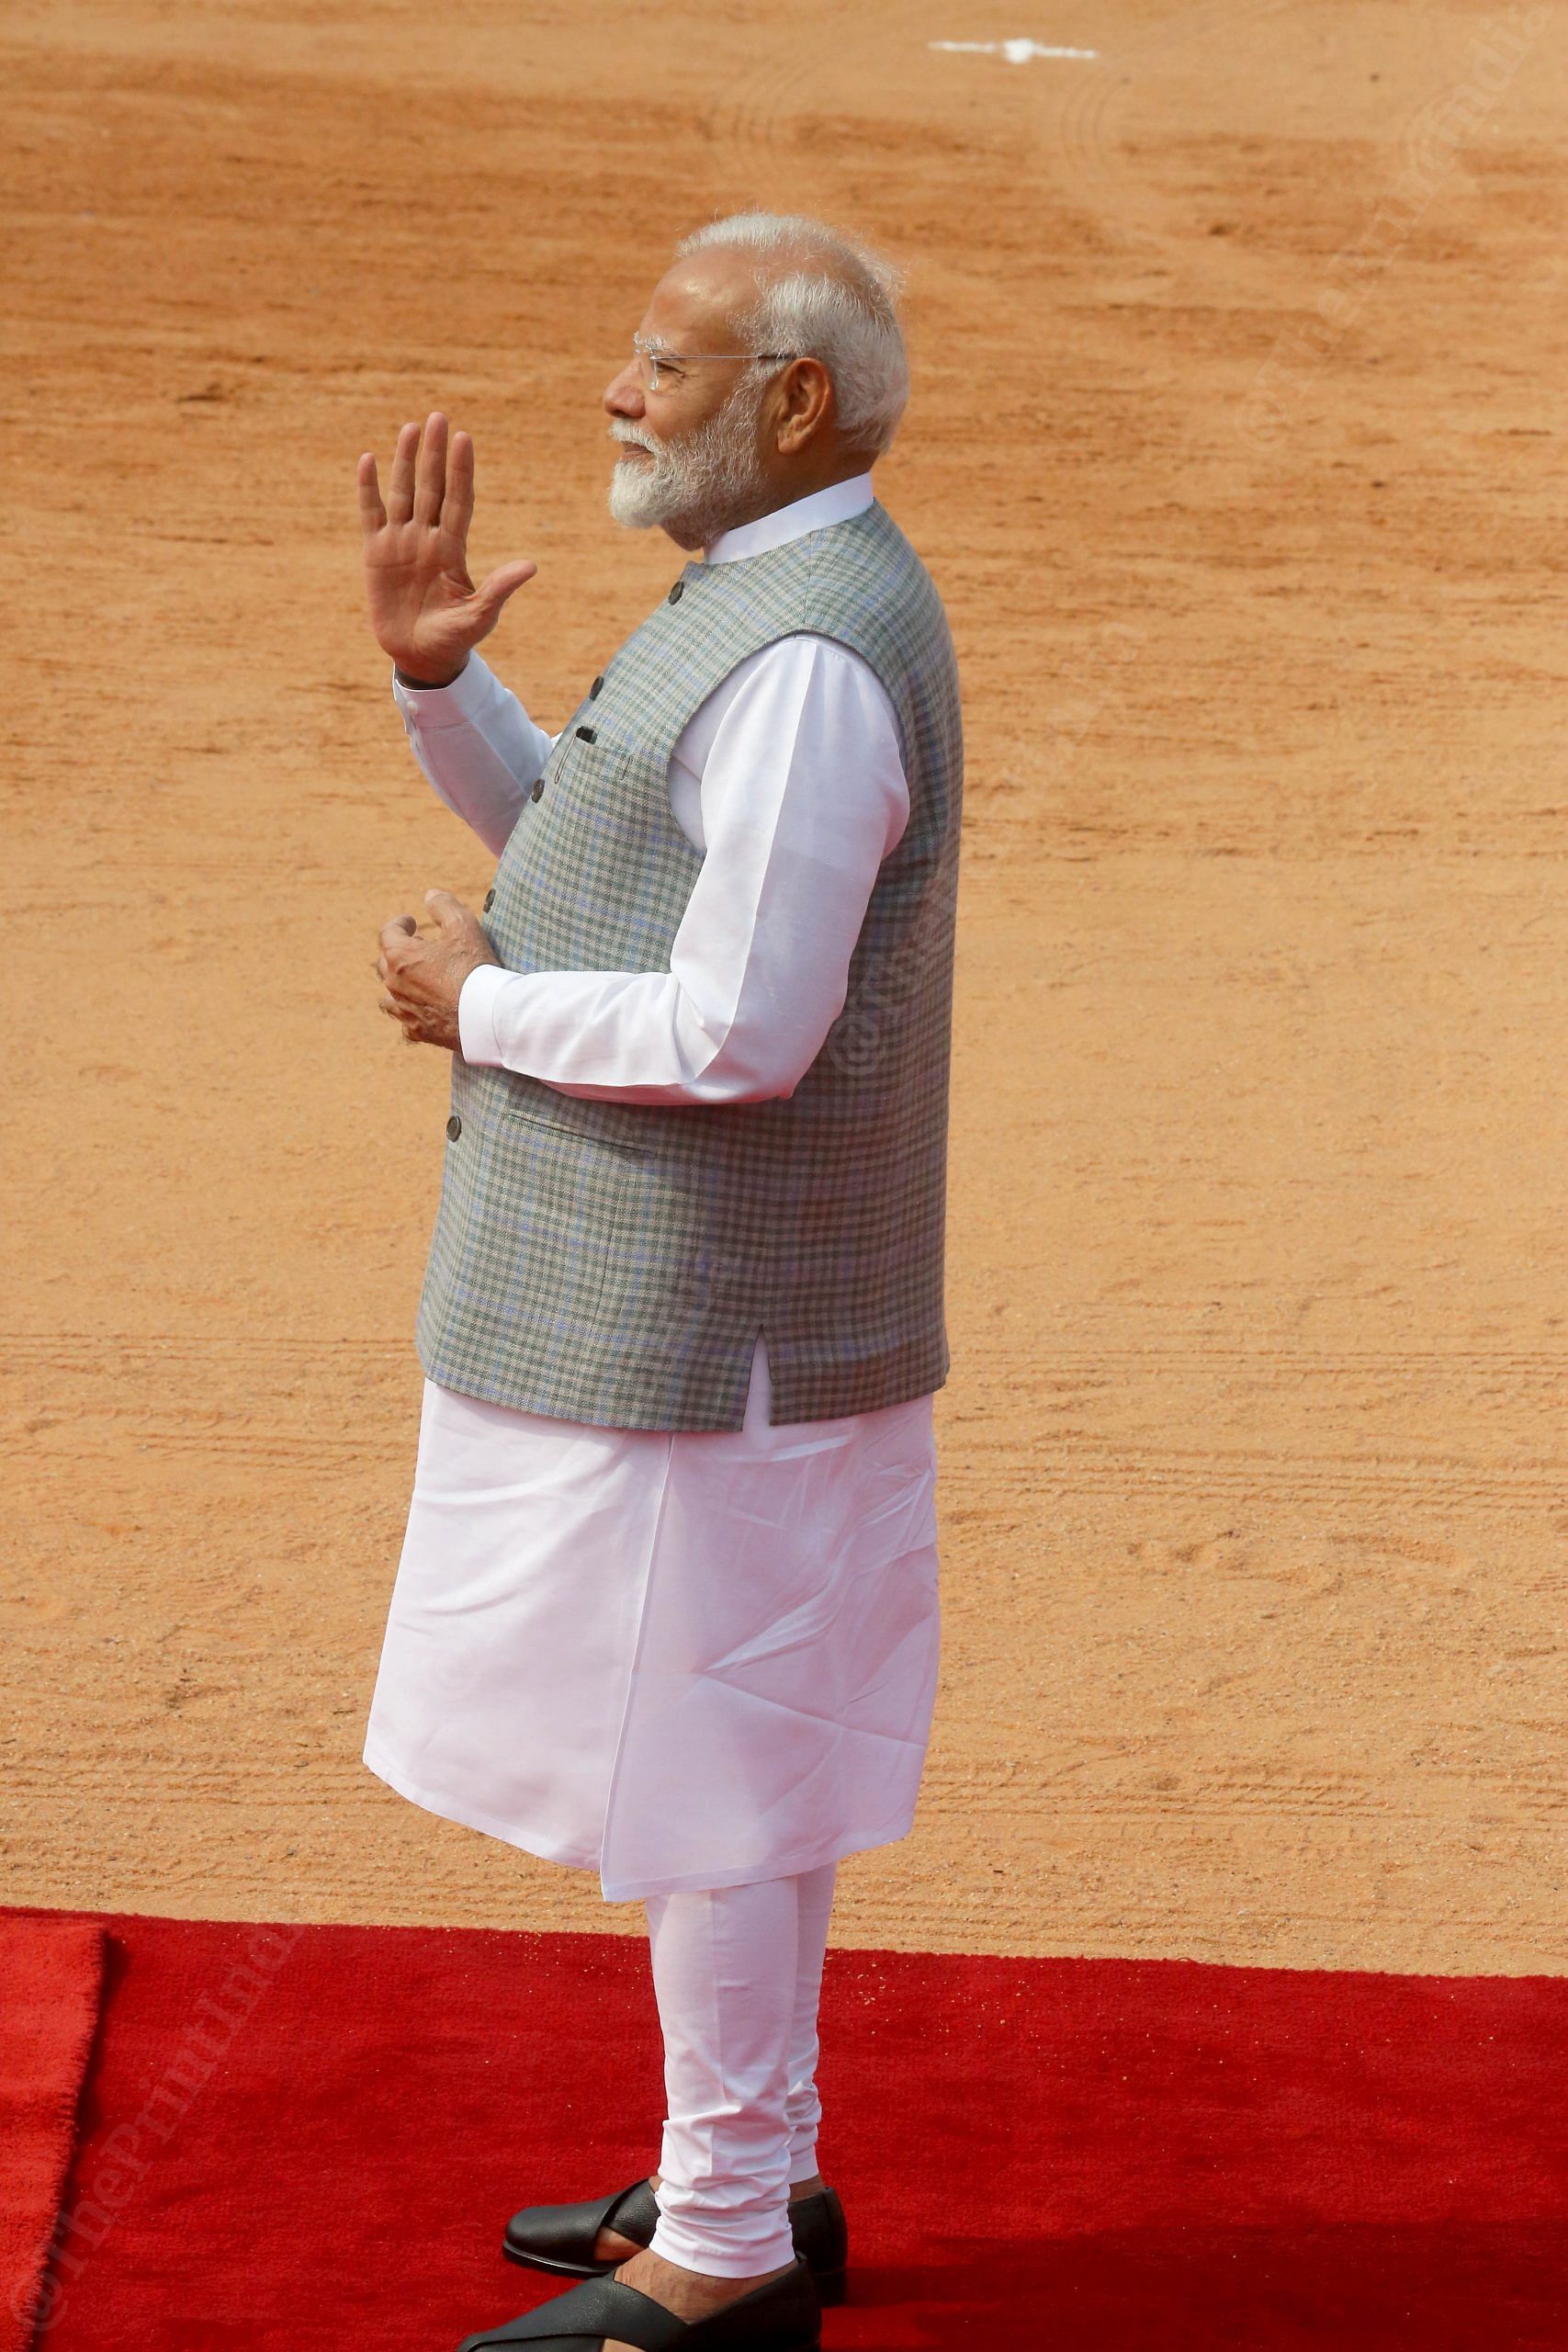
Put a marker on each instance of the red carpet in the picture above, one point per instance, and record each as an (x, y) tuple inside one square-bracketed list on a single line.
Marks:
[(51, 1968), (299, 2139)]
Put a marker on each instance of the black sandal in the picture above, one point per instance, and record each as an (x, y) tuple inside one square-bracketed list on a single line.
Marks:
[(782, 2315), (560, 2238)]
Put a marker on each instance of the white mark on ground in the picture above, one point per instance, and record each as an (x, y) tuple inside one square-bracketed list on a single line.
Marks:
[(1017, 52)]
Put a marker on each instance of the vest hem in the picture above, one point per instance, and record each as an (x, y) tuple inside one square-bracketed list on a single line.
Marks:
[(608, 1412)]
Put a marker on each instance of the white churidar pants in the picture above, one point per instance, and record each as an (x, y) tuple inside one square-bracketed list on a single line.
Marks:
[(737, 1971)]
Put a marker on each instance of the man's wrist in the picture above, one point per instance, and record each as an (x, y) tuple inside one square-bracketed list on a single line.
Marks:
[(426, 685)]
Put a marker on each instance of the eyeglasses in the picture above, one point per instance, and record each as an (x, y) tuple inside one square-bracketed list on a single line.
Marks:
[(659, 368)]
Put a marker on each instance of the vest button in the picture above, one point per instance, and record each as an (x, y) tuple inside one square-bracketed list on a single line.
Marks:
[(676, 592), (454, 1128), (539, 791), (490, 901), (596, 688)]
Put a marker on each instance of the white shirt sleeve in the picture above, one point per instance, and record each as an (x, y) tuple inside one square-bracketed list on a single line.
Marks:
[(802, 796), (477, 747)]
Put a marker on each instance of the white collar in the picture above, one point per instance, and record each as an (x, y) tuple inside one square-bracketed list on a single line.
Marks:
[(834, 505)]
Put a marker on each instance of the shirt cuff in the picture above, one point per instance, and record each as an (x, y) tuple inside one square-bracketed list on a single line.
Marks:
[(476, 1014), (452, 705)]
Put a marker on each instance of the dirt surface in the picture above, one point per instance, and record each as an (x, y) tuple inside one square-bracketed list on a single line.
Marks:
[(1236, 451)]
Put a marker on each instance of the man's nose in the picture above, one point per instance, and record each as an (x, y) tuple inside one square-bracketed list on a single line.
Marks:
[(622, 393)]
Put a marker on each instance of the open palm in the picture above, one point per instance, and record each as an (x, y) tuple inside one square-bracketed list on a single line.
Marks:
[(424, 608)]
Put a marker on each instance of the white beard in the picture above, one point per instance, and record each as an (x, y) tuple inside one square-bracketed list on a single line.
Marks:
[(695, 487)]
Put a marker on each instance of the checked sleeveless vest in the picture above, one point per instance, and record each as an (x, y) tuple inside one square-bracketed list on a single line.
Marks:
[(611, 1262)]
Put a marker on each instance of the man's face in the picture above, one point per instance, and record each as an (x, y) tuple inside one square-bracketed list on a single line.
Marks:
[(691, 459)]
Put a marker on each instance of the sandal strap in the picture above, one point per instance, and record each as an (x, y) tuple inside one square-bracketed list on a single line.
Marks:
[(637, 2205), (599, 2308), (568, 2233)]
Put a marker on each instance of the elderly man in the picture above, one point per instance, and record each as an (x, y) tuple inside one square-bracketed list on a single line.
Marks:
[(666, 1602)]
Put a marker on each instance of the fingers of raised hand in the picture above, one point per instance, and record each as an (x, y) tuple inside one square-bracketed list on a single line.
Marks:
[(401, 927), (372, 514), (430, 469), (399, 486), (503, 582), (457, 505)]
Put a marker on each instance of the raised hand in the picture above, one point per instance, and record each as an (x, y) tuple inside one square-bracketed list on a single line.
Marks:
[(424, 608)]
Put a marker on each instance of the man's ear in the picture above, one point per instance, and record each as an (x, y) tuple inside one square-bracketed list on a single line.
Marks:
[(808, 403)]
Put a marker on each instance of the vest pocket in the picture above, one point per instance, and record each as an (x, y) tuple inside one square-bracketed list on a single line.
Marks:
[(563, 1237), (588, 1138), (548, 1210)]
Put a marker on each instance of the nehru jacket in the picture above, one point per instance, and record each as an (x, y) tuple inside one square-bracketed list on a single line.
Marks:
[(611, 1263)]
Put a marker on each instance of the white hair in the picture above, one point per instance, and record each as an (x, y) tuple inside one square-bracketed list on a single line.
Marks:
[(831, 299)]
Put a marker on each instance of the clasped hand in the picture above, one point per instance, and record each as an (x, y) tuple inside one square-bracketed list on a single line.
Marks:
[(424, 972)]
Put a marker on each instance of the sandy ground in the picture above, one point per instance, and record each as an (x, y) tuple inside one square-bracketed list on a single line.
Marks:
[(1237, 452)]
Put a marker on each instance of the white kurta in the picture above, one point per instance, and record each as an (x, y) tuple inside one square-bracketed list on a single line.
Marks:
[(683, 1658)]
